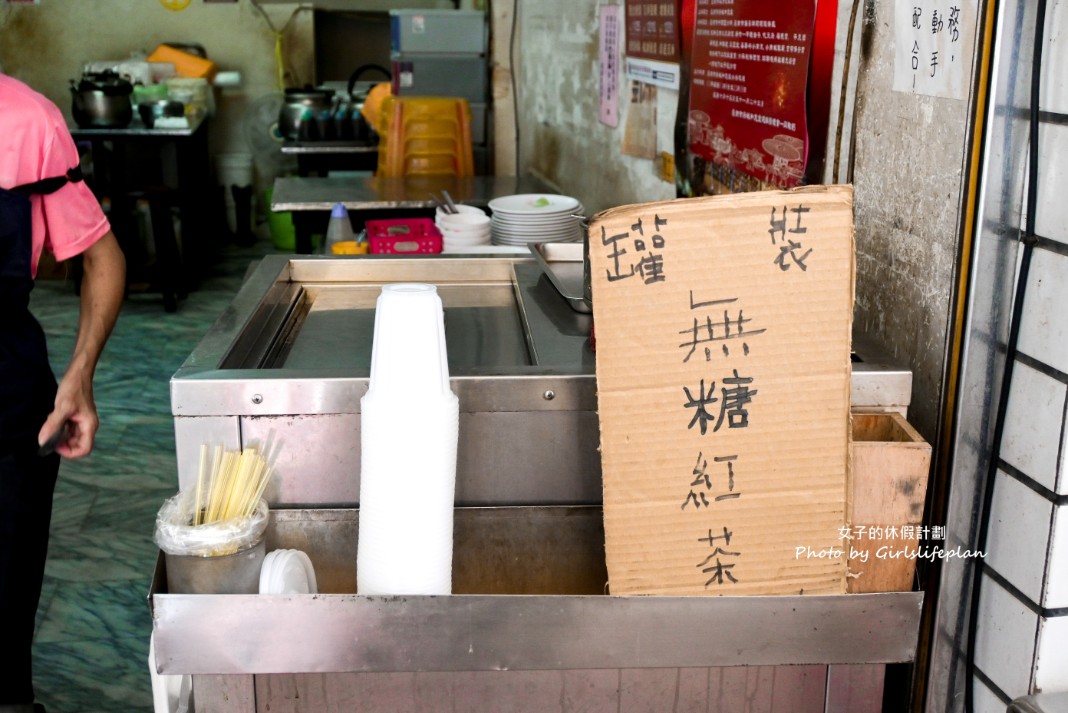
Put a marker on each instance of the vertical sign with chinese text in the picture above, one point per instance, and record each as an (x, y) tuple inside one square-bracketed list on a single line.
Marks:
[(933, 45), (748, 84), (609, 55), (723, 370)]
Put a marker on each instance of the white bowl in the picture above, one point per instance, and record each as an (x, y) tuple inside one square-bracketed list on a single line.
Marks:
[(465, 240), (461, 209), (463, 220)]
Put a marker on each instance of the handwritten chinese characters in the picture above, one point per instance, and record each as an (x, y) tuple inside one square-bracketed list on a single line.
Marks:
[(933, 46), (647, 257), (721, 415), (734, 398), (737, 330), (791, 251)]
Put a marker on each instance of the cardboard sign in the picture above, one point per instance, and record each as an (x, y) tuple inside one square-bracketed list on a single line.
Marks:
[(723, 369)]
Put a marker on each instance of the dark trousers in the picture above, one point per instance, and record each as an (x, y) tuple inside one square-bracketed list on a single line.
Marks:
[(27, 482)]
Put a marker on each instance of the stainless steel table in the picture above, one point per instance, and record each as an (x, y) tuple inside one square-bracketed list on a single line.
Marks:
[(310, 199)]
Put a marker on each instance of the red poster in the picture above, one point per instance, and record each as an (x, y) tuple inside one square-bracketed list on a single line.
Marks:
[(748, 86), (653, 30)]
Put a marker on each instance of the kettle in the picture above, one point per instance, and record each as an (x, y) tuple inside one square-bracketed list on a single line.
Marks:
[(300, 101), (101, 100), (358, 95)]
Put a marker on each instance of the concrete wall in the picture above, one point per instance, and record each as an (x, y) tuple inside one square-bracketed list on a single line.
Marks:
[(47, 45), (908, 167), (561, 138), (908, 154)]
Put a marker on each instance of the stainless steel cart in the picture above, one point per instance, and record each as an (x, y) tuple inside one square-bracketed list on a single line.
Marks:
[(287, 363)]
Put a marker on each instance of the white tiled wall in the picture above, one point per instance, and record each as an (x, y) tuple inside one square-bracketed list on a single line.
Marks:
[(1005, 649), (1033, 423), (1051, 218), (1023, 629), (1051, 669), (1044, 329), (1055, 83), (1019, 535), (986, 701), (1056, 594), (1022, 641)]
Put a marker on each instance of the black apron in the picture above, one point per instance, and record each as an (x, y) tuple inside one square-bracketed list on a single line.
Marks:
[(27, 480), (27, 386)]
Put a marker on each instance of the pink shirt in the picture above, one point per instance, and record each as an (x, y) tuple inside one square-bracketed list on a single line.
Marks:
[(34, 144)]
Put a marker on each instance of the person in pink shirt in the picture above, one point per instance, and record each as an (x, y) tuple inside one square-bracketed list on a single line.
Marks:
[(44, 204)]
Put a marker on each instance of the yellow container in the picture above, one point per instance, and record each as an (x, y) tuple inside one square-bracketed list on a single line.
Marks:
[(349, 247), (185, 64)]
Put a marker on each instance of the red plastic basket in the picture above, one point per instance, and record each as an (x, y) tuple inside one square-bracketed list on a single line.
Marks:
[(403, 236)]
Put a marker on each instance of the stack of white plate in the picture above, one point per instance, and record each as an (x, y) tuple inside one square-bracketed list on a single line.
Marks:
[(287, 572), (535, 218), (469, 227)]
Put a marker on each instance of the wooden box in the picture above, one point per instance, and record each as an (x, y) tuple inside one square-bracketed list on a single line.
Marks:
[(889, 464)]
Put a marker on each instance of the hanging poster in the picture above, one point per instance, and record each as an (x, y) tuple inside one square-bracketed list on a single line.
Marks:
[(934, 41), (609, 55), (748, 86), (653, 42)]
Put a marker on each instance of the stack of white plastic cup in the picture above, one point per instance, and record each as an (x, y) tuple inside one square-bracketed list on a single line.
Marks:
[(409, 429)]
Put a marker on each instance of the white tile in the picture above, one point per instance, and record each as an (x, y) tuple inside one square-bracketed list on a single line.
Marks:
[(1005, 644), (1044, 330), (1061, 487), (1033, 423), (1057, 577), (1051, 667), (985, 700), (1055, 54), (1051, 215), (1019, 535)]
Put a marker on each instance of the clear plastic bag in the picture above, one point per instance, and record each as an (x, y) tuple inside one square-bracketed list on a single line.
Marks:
[(175, 534)]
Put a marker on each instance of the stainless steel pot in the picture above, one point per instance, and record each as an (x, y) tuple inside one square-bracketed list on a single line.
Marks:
[(101, 101), (297, 103)]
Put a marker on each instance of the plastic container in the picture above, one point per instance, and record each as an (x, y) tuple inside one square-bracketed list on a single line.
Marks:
[(185, 64), (234, 169), (338, 230), (217, 558), (425, 136), (350, 247), (283, 233), (401, 236), (196, 94)]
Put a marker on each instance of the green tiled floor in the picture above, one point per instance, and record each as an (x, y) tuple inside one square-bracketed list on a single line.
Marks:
[(91, 645)]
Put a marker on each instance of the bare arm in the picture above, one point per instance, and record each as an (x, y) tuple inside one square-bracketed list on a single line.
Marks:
[(101, 298)]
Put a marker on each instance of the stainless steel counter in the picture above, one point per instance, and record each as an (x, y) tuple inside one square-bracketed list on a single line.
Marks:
[(289, 360), (287, 363), (527, 585)]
